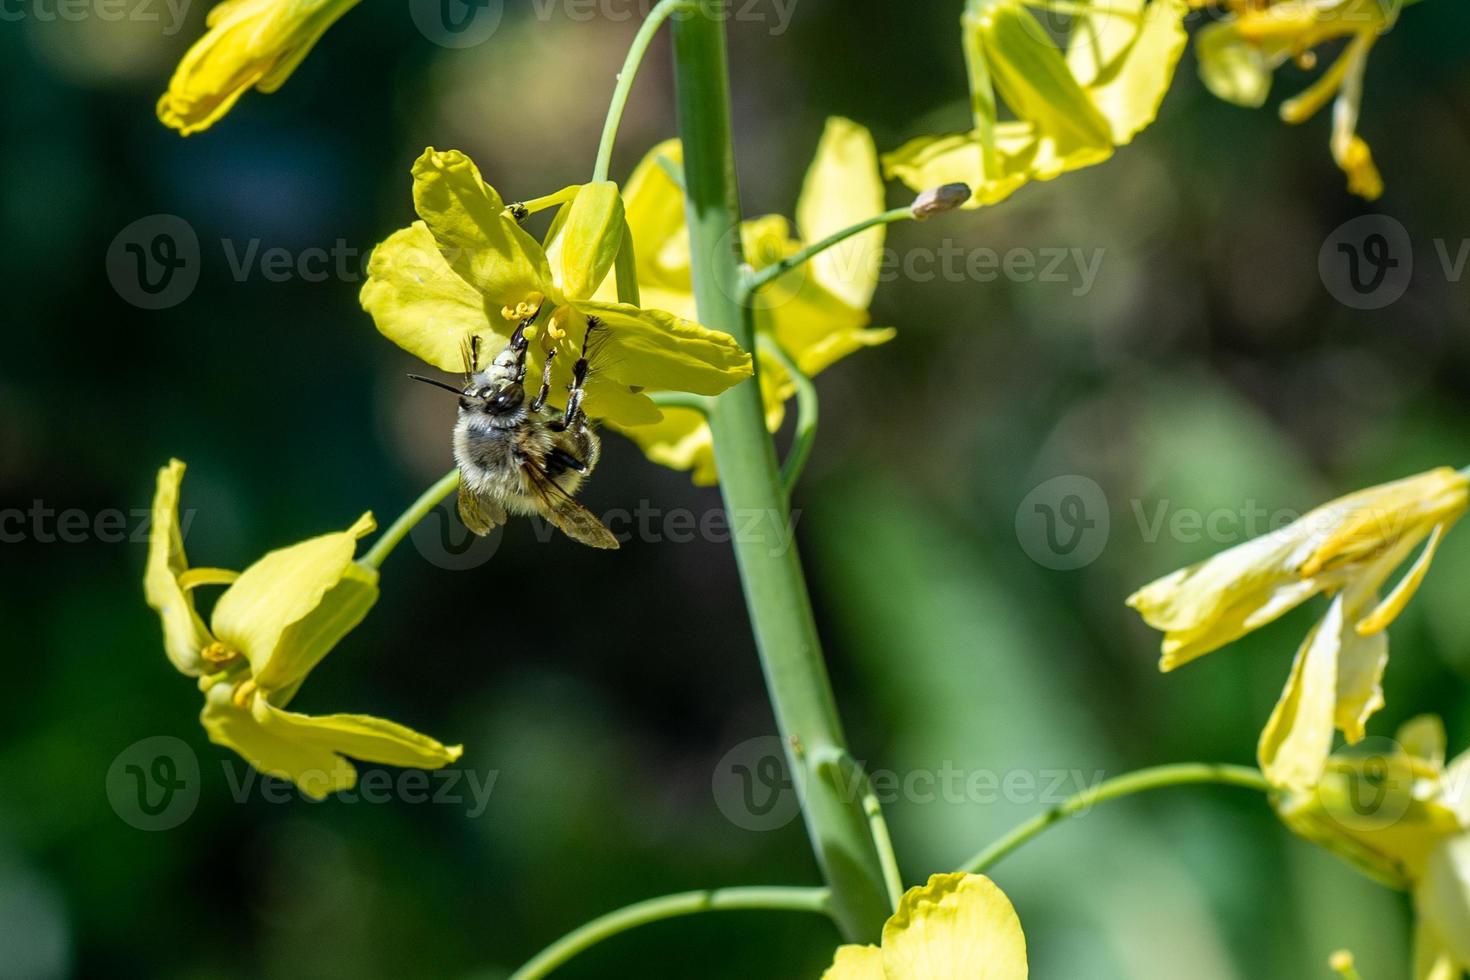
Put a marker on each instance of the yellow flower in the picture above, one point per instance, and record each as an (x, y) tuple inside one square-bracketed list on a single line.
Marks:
[(1402, 817), (274, 623), (818, 314), (957, 927), (1073, 108), (1346, 549), (249, 43), (1238, 55), (468, 269)]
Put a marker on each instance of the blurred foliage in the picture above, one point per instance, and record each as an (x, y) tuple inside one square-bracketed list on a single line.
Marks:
[(1206, 369)]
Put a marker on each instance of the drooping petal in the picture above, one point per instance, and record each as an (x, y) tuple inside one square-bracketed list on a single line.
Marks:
[(317, 771), (184, 632), (1361, 662), (1387, 611), (657, 350), (283, 590), (1298, 739), (842, 188), (1443, 898), (249, 43), (957, 927), (357, 736), (484, 245), (421, 304), (856, 963)]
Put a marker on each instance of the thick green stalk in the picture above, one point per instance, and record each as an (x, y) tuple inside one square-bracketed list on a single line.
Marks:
[(775, 591)]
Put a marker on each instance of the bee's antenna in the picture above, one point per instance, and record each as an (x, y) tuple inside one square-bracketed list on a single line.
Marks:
[(439, 384)]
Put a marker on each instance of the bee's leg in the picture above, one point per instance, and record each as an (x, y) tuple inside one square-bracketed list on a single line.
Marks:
[(574, 420), (540, 400), (518, 345)]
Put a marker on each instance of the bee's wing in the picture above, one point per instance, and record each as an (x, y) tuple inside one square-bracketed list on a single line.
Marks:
[(480, 514), (576, 521)]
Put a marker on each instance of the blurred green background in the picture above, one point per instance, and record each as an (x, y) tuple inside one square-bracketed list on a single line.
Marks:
[(1207, 370)]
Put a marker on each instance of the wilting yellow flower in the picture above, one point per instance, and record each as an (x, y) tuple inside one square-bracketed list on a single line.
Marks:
[(1238, 55), (818, 313), (273, 624), (468, 269), (250, 43), (1073, 108), (1402, 817), (1346, 549), (957, 927)]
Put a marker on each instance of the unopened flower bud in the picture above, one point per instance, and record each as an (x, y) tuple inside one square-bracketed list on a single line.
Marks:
[(938, 200)]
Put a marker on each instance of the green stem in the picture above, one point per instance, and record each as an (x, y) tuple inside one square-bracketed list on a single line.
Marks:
[(626, 77), (808, 411), (416, 512), (1160, 777), (683, 399), (776, 270), (668, 907), (750, 480)]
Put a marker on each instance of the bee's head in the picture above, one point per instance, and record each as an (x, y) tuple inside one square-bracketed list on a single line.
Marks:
[(500, 401)]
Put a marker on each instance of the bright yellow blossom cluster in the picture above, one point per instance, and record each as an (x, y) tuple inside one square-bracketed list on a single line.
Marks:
[(272, 625), (818, 314), (1346, 549), (1404, 818), (1072, 105)]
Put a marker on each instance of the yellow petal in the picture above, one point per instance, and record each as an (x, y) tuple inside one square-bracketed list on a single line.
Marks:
[(249, 43), (486, 247), (358, 736), (1443, 898), (1128, 87), (1432, 961), (957, 927), (317, 771), (283, 590), (421, 304), (856, 963), (1033, 77), (184, 633), (590, 239), (1298, 739), (681, 440), (842, 188), (655, 212), (1390, 608), (1423, 738), (1361, 662), (657, 350), (1232, 68)]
